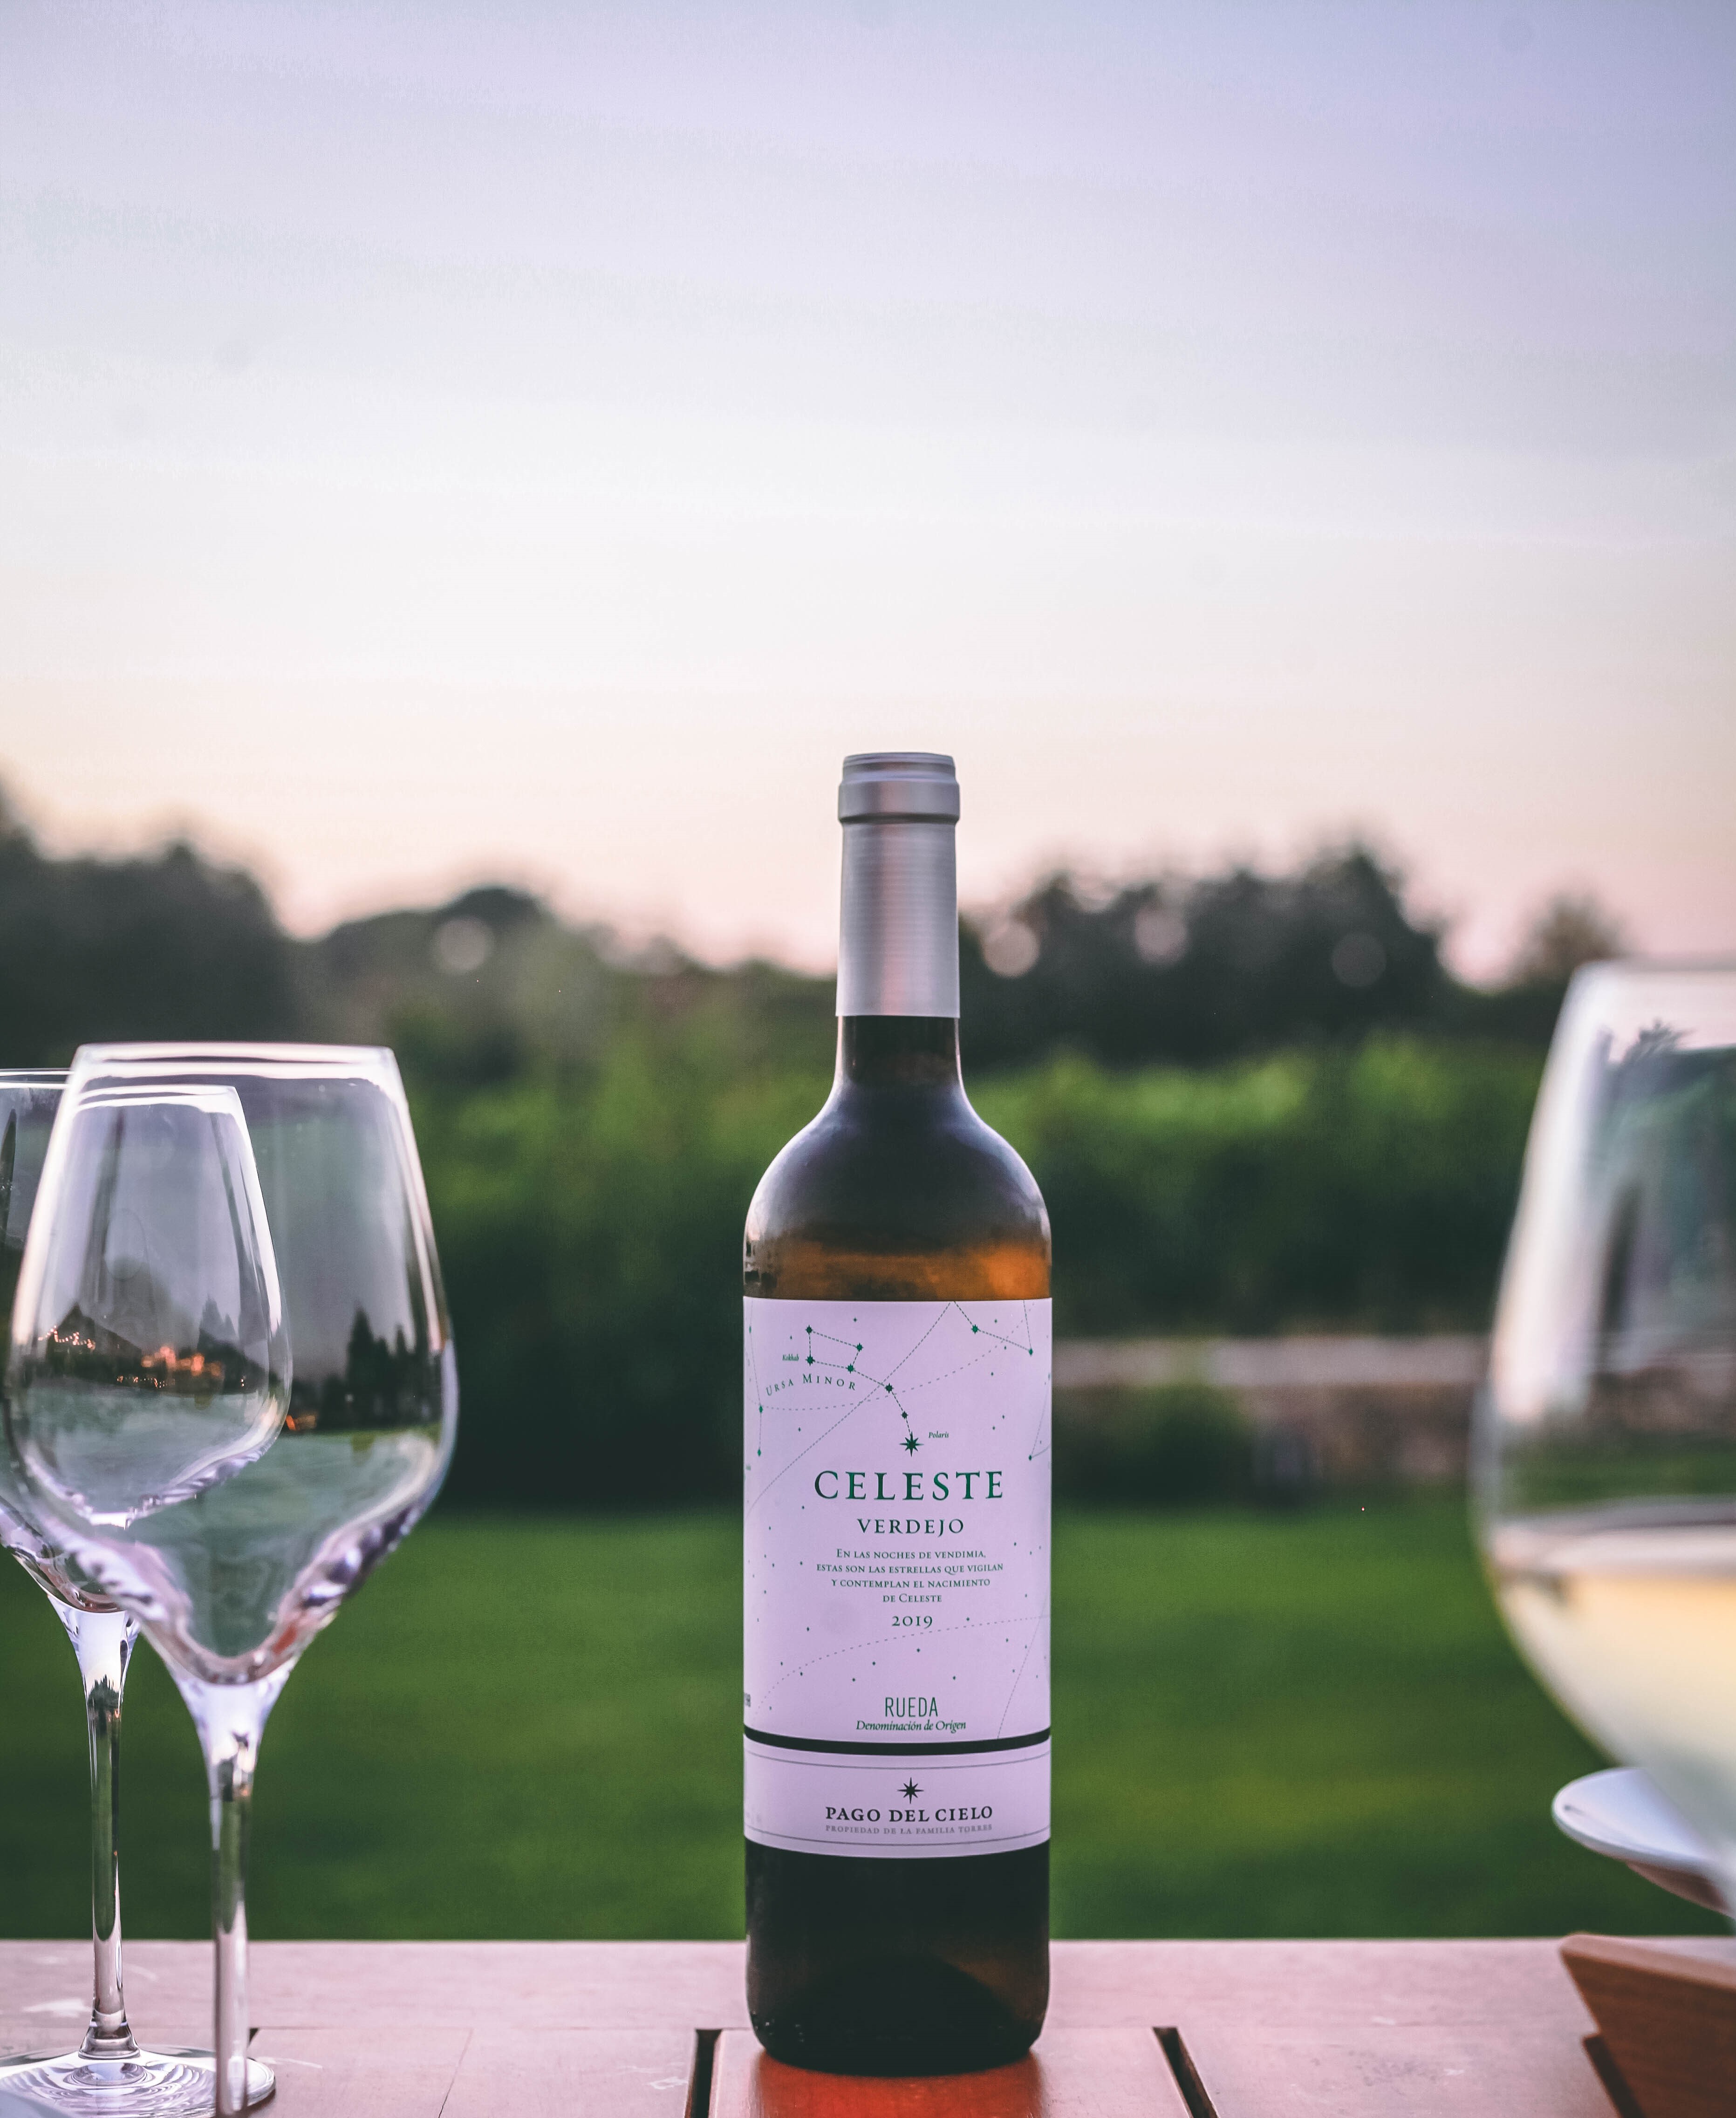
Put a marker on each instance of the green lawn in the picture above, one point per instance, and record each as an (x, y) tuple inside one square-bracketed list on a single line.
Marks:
[(1265, 1725)]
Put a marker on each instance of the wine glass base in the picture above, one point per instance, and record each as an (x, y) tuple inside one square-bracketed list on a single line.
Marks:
[(171, 2083)]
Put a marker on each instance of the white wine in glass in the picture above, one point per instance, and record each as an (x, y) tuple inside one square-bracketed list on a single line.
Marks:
[(1607, 1436), (232, 1388)]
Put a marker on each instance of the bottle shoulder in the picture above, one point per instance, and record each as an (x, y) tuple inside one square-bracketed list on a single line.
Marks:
[(897, 1195)]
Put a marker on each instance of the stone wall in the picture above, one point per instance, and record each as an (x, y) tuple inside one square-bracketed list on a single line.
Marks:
[(1331, 1410)]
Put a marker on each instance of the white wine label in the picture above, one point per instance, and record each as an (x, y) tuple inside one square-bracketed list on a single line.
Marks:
[(895, 1678)]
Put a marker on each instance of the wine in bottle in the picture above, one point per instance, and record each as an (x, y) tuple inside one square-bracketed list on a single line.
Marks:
[(896, 1559)]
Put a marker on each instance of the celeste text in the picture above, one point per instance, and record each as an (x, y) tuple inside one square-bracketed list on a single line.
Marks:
[(941, 1485)]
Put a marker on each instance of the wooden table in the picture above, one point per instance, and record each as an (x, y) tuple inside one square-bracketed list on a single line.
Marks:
[(1196, 2029)]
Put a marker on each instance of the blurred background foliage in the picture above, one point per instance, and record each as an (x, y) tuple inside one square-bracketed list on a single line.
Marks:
[(1254, 1103)]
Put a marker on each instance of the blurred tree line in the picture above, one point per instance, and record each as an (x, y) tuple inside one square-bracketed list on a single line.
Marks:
[(1253, 1102)]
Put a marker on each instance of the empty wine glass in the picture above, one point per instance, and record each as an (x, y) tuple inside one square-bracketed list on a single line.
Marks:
[(1607, 1436), (231, 1389), (108, 2073)]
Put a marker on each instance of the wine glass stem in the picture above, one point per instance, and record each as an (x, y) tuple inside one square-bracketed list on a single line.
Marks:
[(230, 1719), (103, 1642), (232, 1811)]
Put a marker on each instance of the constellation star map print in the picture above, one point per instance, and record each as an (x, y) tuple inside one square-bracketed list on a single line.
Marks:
[(895, 1678)]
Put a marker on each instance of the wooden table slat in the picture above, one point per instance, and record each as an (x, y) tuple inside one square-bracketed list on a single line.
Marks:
[(1072, 2074), (349, 2072), (1296, 1984), (532, 1985), (575, 2074), (1421, 2071)]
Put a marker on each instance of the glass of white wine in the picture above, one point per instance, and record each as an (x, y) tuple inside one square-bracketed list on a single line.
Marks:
[(1606, 1445), (231, 1388)]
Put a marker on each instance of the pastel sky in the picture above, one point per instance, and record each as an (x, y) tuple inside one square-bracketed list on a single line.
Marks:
[(517, 439)]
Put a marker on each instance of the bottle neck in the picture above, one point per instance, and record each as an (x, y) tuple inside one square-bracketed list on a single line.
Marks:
[(898, 933), (897, 1051)]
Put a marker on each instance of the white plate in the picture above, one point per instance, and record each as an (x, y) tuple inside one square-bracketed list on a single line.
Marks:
[(1621, 1813)]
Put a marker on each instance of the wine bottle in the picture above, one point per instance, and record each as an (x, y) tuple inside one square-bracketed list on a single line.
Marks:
[(896, 1510)]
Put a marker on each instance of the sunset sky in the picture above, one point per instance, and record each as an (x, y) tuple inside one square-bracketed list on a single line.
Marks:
[(448, 441)]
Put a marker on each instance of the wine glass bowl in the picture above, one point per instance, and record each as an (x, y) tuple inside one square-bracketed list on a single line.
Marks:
[(234, 1519), (1606, 1449), (159, 1367), (29, 1098)]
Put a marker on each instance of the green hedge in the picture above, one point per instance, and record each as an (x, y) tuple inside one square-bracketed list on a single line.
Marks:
[(1311, 1189), (1179, 1445), (589, 1227)]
